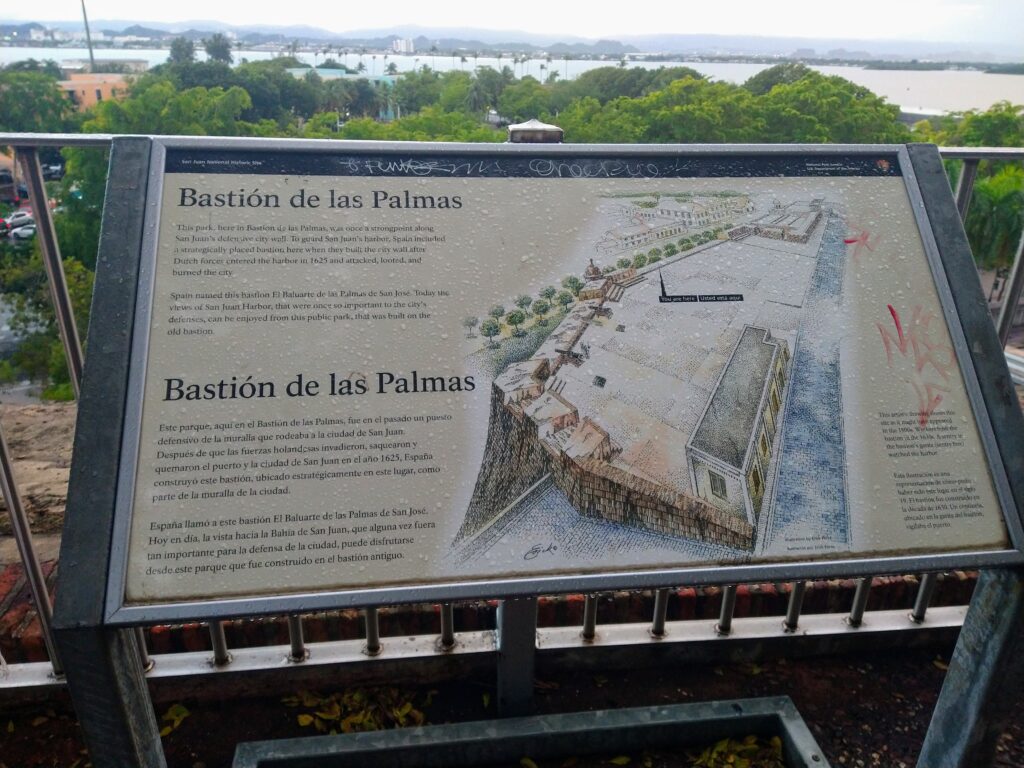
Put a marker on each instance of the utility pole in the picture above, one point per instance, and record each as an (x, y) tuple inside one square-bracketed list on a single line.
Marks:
[(88, 39)]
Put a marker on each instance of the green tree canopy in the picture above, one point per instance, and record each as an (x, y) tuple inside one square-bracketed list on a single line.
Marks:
[(524, 100), (766, 79), (183, 51), (46, 66), (418, 89), (218, 48), (32, 102)]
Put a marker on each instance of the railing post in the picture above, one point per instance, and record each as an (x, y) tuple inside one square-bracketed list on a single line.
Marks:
[(298, 651), (724, 625), (965, 186), (1012, 295), (517, 645), (860, 602), (447, 640), (62, 308), (924, 598), (372, 619), (660, 614), (796, 603), (221, 654), (29, 559), (589, 631)]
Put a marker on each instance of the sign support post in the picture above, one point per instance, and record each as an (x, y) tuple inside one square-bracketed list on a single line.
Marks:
[(984, 677), (517, 650), (102, 664)]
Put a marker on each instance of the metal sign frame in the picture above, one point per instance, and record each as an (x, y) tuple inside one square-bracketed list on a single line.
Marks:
[(981, 373)]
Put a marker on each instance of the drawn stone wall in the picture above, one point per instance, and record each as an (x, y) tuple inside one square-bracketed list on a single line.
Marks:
[(515, 458), (598, 489), (513, 461)]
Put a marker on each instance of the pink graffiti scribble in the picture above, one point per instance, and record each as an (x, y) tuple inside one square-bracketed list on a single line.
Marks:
[(928, 399), (930, 356), (862, 241)]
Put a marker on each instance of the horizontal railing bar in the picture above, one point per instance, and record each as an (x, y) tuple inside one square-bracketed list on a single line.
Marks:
[(29, 675), (1016, 365), (982, 153), (474, 643), (104, 140), (56, 139), (820, 625)]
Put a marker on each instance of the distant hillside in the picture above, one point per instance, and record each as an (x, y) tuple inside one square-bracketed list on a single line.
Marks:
[(518, 41), (19, 30)]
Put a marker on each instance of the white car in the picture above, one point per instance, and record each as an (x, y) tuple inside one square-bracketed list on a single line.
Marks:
[(20, 219), (24, 232)]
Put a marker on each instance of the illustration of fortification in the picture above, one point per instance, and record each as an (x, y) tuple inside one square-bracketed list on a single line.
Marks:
[(536, 432)]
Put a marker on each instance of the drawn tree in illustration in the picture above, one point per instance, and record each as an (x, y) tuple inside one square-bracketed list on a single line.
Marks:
[(515, 318), (565, 298), (470, 323), (548, 293), (572, 283), (490, 328), (540, 308), (497, 311)]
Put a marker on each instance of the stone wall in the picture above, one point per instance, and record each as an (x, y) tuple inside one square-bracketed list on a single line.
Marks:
[(599, 489), (513, 460)]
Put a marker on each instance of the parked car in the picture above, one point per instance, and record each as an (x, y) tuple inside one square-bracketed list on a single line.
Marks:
[(20, 219), (26, 232), (4, 227)]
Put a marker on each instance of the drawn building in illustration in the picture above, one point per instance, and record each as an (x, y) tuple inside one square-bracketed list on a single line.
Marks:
[(793, 223), (730, 450), (670, 216)]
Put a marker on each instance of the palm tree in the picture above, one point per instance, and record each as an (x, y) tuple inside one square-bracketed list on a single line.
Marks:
[(476, 97), (462, 63)]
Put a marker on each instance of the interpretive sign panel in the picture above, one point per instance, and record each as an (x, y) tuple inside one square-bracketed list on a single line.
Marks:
[(374, 373)]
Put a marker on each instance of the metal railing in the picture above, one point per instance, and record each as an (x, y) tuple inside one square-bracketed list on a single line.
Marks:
[(518, 639)]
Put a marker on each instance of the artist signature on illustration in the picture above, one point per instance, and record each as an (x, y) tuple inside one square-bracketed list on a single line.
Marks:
[(539, 549)]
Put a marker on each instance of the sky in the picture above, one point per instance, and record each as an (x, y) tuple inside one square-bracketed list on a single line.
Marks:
[(974, 21)]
